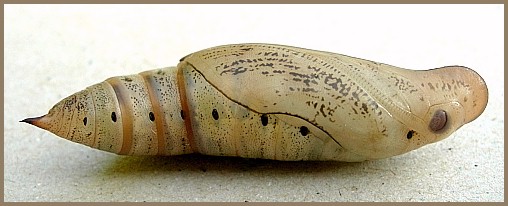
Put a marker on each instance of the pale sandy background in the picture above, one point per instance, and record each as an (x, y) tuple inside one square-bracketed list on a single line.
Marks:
[(53, 51)]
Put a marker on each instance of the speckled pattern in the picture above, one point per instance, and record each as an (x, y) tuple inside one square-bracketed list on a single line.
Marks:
[(373, 110), (238, 131), (52, 51)]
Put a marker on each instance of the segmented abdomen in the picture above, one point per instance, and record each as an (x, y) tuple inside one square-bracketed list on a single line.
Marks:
[(150, 116)]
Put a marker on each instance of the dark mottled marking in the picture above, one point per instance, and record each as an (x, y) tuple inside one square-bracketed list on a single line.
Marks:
[(127, 79), (430, 85), (235, 70), (321, 110), (410, 134), (309, 90), (266, 65), (299, 75), (333, 82), (80, 106), (215, 114), (151, 116), (84, 121), (364, 107), (182, 114), (113, 116), (264, 119), (438, 121), (304, 130)]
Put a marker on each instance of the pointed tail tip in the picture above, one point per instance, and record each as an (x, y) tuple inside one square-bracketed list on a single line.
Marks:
[(32, 121)]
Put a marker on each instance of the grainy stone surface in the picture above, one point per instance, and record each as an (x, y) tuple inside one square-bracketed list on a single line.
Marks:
[(52, 51)]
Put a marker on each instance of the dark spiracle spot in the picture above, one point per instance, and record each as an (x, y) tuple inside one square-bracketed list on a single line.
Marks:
[(304, 130), (410, 134), (113, 116), (438, 121), (264, 119), (182, 114), (151, 116), (84, 121), (215, 114)]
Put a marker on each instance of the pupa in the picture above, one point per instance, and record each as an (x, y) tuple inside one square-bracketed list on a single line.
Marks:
[(271, 102)]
